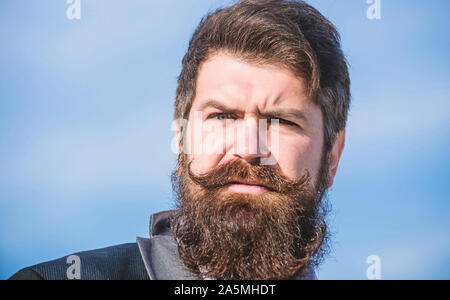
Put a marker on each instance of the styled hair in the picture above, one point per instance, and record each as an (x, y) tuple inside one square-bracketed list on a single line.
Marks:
[(289, 34)]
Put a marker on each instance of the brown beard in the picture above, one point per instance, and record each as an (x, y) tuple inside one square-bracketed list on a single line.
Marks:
[(226, 235)]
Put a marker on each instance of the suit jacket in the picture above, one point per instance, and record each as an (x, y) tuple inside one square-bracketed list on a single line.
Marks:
[(154, 258)]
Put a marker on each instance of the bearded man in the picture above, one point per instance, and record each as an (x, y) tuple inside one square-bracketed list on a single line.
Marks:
[(260, 115)]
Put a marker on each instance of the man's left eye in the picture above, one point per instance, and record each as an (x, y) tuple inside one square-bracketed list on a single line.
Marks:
[(283, 121)]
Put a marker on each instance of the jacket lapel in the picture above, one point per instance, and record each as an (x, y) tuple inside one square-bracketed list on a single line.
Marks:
[(160, 252)]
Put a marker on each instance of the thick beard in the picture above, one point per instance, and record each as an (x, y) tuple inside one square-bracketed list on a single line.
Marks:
[(226, 235)]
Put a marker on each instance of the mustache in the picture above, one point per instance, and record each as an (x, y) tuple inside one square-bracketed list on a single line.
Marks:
[(238, 170)]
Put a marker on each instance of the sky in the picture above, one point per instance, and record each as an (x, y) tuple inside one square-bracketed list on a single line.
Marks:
[(86, 109)]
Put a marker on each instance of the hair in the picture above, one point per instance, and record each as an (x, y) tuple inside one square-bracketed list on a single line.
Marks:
[(289, 34)]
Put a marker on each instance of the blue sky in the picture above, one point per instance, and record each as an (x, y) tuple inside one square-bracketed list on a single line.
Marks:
[(85, 130)]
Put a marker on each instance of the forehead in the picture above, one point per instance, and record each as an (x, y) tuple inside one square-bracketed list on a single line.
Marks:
[(228, 79)]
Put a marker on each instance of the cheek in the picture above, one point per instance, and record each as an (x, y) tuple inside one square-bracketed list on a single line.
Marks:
[(204, 146), (297, 154), (202, 163)]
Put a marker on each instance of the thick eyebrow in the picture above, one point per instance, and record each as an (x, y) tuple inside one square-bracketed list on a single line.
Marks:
[(273, 113), (216, 104)]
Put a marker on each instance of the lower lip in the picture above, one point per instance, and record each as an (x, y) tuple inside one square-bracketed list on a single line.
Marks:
[(247, 189)]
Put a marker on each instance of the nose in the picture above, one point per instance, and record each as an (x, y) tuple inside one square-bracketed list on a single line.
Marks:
[(249, 141)]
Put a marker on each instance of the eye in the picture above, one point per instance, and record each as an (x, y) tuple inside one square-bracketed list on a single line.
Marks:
[(283, 121), (222, 116)]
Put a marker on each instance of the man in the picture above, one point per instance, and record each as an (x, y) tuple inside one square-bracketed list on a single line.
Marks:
[(260, 111)]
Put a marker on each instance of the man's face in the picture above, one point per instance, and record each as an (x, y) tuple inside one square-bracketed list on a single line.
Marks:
[(229, 89), (239, 218)]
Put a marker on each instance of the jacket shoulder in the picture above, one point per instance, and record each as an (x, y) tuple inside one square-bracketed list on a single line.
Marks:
[(26, 274), (120, 262)]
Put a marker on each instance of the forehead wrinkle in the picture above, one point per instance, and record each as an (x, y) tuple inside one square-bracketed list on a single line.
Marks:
[(260, 109)]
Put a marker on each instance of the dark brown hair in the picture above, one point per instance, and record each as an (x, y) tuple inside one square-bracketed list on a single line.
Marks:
[(289, 34)]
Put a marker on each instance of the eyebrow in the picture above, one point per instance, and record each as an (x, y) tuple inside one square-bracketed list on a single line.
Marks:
[(276, 112), (216, 104)]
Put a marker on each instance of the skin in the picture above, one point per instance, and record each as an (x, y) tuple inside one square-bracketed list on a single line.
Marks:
[(233, 91)]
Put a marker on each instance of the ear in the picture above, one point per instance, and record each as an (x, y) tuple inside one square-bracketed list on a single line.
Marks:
[(335, 156), (176, 144), (177, 141)]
